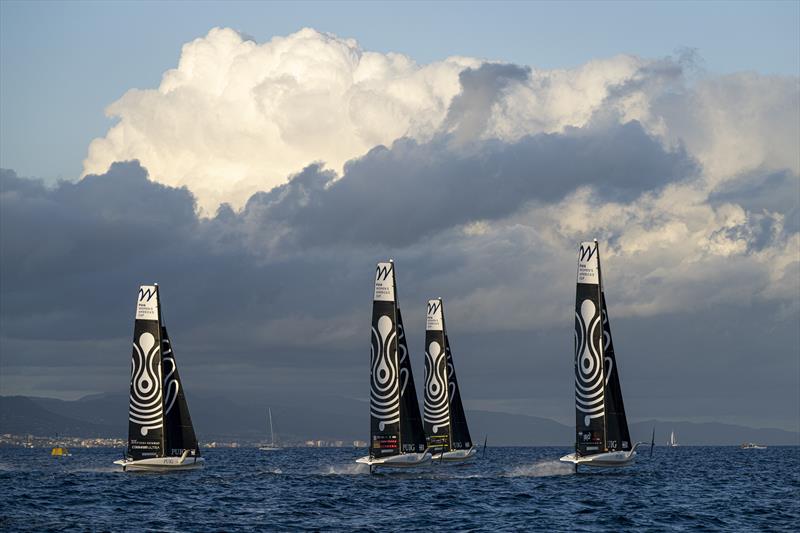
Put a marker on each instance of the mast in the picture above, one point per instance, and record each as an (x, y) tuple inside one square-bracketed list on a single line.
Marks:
[(384, 374), (590, 424), (146, 407), (602, 347), (436, 405), (271, 432), (162, 381)]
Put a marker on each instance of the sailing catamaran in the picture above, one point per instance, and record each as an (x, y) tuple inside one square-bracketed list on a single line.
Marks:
[(602, 437), (160, 432), (397, 438), (445, 421), (271, 447)]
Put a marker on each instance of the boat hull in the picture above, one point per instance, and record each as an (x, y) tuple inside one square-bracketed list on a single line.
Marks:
[(455, 456), (161, 464), (269, 448), (605, 460), (403, 460)]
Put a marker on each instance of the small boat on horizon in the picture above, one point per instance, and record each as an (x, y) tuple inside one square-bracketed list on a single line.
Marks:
[(271, 447), (753, 446), (397, 437), (601, 428), (160, 432), (446, 427)]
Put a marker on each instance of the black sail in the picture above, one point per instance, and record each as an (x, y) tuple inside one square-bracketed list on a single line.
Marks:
[(590, 420), (436, 411), (384, 398), (146, 406), (178, 429), (617, 434), (411, 431), (459, 431)]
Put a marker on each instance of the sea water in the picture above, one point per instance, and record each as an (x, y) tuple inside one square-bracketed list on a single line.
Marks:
[(296, 489)]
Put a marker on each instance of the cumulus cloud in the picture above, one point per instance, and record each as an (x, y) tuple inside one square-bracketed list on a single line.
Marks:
[(237, 117), (271, 177)]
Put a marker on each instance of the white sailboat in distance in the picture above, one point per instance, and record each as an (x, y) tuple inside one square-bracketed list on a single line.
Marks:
[(673, 442), (271, 447)]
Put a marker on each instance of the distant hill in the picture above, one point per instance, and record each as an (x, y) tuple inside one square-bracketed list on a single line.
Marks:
[(21, 415), (217, 417)]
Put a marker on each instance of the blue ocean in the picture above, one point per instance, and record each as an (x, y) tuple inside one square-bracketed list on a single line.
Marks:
[(309, 489)]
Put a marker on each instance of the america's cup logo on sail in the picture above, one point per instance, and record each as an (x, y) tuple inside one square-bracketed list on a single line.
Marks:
[(589, 383), (146, 406), (434, 320), (147, 303), (436, 410), (384, 282), (588, 264), (585, 252)]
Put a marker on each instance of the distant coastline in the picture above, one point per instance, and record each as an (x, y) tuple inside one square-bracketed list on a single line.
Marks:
[(100, 420)]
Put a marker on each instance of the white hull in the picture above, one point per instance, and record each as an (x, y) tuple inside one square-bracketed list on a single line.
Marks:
[(403, 460), (161, 464), (269, 448), (455, 456), (609, 459)]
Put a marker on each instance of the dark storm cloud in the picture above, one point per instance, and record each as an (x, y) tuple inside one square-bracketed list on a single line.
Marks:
[(60, 246), (74, 253), (276, 297), (398, 195), (481, 87)]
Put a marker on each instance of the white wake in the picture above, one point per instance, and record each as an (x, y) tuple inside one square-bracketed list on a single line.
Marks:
[(542, 469)]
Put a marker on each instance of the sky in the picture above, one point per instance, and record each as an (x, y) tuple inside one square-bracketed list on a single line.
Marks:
[(64, 62), (257, 160)]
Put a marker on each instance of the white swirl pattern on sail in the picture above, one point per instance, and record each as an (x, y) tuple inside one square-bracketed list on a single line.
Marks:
[(436, 408), (451, 374), (403, 352), (608, 347), (384, 402), (146, 406), (589, 384), (171, 385)]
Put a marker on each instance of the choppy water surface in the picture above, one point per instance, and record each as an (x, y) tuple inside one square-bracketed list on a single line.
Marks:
[(308, 489)]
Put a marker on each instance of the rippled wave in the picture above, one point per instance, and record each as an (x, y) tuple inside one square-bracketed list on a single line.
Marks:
[(688, 488)]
